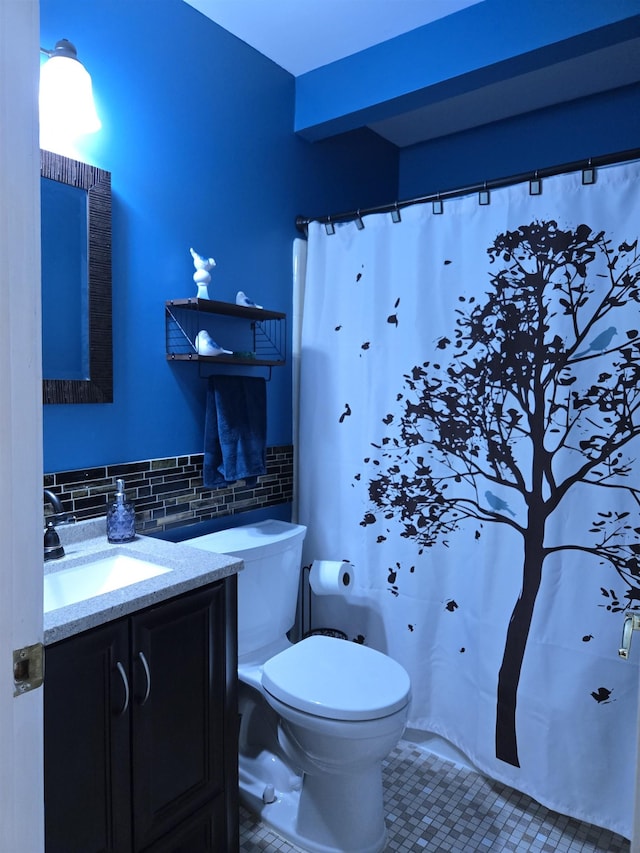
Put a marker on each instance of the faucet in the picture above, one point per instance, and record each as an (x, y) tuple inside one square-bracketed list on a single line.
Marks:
[(53, 550)]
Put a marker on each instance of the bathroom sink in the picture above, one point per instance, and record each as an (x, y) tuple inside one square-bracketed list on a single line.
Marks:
[(104, 574)]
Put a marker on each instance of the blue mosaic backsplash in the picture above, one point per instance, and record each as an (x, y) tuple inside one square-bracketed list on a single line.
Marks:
[(168, 493)]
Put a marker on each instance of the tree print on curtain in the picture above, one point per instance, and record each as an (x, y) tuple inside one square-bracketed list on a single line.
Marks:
[(536, 397)]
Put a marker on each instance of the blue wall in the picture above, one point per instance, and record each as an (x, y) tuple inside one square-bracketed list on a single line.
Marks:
[(198, 135), (590, 127)]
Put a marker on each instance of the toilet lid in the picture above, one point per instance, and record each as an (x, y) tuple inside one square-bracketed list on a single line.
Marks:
[(337, 679)]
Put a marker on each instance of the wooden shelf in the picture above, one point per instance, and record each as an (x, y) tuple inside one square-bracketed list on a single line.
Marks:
[(211, 306), (263, 332), (225, 359)]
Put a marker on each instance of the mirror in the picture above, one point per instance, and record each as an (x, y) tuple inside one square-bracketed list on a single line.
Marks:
[(76, 281)]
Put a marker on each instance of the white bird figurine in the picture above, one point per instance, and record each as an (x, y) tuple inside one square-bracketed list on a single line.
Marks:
[(205, 345), (201, 275), (243, 299)]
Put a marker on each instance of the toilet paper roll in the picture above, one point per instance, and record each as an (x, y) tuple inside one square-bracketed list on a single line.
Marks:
[(330, 577)]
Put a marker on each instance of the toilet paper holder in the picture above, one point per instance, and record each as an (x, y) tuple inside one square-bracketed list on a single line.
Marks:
[(306, 613)]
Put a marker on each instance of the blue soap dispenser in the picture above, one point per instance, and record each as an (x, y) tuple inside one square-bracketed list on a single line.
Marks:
[(121, 517)]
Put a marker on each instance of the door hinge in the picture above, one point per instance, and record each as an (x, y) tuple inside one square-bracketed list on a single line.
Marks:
[(28, 668)]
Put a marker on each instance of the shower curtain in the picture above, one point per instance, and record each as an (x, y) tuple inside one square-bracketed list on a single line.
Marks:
[(469, 439)]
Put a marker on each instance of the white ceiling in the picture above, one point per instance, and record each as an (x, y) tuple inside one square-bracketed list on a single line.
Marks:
[(301, 35)]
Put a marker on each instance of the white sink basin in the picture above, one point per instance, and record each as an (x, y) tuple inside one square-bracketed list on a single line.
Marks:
[(104, 574)]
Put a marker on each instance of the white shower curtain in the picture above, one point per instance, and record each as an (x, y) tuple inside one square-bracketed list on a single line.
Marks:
[(469, 438)]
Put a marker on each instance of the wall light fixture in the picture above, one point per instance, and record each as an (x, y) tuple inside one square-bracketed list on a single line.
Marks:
[(67, 108)]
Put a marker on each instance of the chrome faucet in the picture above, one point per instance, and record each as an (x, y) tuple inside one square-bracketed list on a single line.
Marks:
[(54, 500), (53, 550)]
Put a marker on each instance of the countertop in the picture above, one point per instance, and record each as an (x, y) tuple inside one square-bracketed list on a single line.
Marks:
[(84, 541)]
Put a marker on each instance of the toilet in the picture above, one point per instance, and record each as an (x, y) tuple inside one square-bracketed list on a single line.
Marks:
[(318, 717)]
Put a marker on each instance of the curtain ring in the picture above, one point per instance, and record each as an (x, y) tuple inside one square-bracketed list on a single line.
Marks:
[(588, 174), (535, 185)]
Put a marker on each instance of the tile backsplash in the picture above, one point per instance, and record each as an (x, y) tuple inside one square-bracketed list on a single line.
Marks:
[(168, 492)]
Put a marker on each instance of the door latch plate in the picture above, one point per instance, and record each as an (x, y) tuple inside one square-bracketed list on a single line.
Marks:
[(28, 668)]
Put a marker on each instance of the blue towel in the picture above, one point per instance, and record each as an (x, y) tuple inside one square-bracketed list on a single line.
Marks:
[(235, 430)]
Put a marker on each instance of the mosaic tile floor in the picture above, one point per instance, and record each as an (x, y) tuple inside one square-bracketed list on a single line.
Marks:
[(467, 813)]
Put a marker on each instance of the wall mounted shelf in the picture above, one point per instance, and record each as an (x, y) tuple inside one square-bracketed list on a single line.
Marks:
[(256, 336)]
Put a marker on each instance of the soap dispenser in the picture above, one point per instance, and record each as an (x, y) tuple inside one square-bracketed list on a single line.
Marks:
[(121, 517)]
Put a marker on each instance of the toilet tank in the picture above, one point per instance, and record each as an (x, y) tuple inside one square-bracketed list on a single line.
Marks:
[(268, 585)]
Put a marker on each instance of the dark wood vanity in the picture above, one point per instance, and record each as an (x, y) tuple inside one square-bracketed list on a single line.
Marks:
[(141, 730)]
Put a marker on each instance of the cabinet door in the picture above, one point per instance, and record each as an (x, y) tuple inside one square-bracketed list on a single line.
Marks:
[(199, 834), (86, 743), (178, 702)]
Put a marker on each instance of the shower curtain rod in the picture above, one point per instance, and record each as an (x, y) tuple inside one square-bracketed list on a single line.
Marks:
[(592, 163)]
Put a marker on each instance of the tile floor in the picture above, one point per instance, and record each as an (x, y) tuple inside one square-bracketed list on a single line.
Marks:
[(467, 813)]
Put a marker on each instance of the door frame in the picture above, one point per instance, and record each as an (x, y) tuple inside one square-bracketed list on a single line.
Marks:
[(21, 734)]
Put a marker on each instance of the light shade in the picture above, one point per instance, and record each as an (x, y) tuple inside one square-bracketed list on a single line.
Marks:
[(67, 109)]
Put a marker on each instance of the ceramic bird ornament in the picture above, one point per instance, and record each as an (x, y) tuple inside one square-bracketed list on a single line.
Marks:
[(202, 275), (205, 345), (243, 299)]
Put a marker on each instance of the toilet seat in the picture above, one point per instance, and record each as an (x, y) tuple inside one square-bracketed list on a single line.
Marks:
[(336, 679)]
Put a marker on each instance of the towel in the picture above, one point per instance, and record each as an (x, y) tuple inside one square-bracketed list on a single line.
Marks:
[(235, 430)]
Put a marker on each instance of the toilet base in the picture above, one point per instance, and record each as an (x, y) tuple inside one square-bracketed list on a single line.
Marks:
[(320, 814), (265, 778)]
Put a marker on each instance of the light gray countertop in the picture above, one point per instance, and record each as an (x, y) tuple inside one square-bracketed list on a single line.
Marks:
[(86, 541)]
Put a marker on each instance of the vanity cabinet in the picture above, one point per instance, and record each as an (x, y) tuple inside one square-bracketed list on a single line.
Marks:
[(141, 731)]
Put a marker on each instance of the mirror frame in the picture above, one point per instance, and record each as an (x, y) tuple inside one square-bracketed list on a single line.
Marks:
[(98, 388)]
